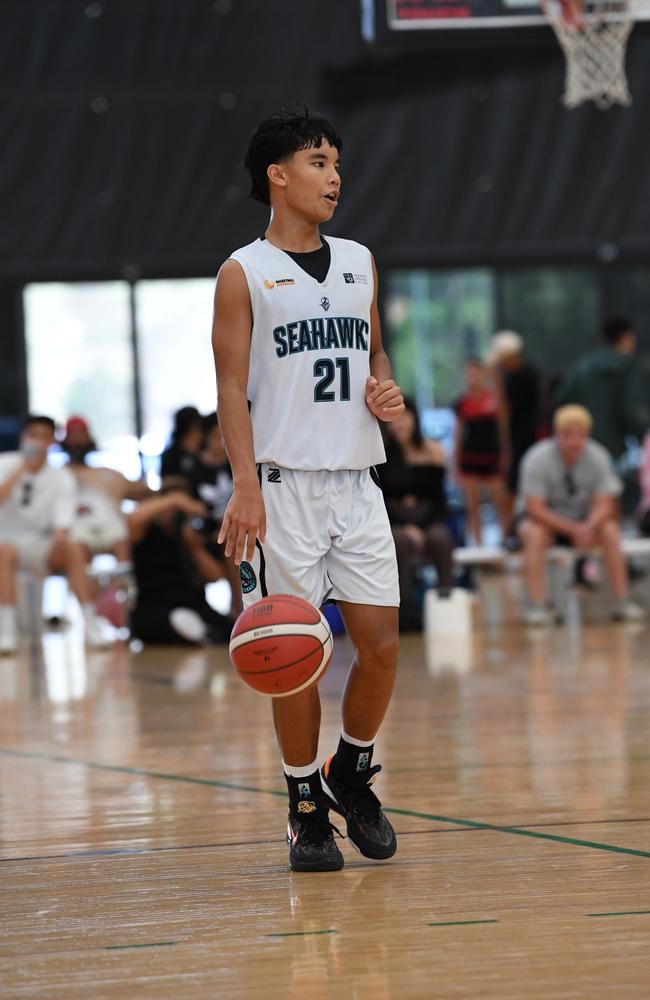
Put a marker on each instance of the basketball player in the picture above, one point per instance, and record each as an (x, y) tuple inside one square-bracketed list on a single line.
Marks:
[(296, 333)]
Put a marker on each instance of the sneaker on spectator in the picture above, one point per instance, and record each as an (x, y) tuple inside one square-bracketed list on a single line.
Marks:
[(537, 615), (189, 625), (628, 611), (96, 632)]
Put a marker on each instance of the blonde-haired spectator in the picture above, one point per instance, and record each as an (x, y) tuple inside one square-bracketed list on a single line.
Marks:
[(566, 498)]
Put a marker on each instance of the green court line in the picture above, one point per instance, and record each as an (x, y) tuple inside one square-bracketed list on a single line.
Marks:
[(461, 923), (152, 944), (299, 934), (231, 786), (621, 913)]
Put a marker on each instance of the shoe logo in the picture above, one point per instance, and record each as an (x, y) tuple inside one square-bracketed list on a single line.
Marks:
[(325, 302), (247, 578), (306, 807), (273, 476), (348, 278), (304, 791), (363, 761)]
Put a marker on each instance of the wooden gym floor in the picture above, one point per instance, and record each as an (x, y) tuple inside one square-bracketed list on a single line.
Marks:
[(142, 815)]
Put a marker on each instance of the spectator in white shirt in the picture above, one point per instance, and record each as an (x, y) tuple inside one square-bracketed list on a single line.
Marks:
[(99, 524), (37, 510)]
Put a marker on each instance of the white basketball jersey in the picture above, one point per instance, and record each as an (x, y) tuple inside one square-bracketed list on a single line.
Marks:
[(310, 358)]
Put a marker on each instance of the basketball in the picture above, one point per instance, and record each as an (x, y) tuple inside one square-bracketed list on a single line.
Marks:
[(281, 645)]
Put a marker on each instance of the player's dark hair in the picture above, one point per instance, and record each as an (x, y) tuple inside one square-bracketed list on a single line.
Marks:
[(279, 137), (615, 328), (34, 418)]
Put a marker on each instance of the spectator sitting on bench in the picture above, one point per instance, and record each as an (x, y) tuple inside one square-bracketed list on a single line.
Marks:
[(172, 566), (413, 483), (211, 482), (37, 509), (567, 497), (99, 525)]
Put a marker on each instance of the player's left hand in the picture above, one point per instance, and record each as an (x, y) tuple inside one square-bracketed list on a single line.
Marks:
[(384, 399)]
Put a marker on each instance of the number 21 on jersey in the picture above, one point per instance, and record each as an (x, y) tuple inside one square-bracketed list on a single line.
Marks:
[(325, 370)]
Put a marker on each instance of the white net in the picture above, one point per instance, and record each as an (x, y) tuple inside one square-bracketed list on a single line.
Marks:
[(594, 39)]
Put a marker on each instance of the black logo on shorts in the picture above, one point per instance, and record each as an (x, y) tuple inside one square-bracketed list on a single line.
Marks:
[(325, 302), (273, 476), (247, 577), (349, 278)]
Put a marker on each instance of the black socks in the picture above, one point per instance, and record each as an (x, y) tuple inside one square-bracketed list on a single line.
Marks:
[(351, 762)]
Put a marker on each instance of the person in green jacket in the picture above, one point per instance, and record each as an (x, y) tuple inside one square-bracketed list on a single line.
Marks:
[(611, 384)]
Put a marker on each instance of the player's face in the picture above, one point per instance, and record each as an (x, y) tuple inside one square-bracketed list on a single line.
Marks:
[(312, 182)]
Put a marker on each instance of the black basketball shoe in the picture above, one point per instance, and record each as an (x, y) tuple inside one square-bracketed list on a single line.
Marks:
[(368, 828), (310, 837)]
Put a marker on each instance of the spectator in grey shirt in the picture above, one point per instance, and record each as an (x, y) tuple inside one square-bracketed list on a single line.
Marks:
[(567, 495)]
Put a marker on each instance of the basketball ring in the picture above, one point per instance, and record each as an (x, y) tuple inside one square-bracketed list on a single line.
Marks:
[(593, 35)]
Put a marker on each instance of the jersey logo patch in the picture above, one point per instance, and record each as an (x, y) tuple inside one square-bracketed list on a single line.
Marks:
[(247, 577), (348, 278), (269, 284), (325, 302), (281, 282), (273, 476)]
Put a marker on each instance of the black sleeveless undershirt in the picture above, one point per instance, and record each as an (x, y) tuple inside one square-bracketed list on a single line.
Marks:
[(316, 262)]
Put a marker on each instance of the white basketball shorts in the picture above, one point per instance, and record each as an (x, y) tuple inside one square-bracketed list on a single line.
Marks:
[(327, 538)]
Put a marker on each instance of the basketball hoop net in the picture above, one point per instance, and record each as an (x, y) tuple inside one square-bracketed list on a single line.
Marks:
[(593, 36)]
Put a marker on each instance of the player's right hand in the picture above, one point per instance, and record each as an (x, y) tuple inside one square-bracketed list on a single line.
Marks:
[(243, 522)]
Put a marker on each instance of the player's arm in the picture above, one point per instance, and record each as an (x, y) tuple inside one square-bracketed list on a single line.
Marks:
[(244, 518), (383, 397)]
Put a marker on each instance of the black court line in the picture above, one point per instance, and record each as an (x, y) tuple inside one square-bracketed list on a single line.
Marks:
[(412, 813), (127, 947), (461, 923), (153, 679), (110, 852), (289, 934), (621, 913)]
